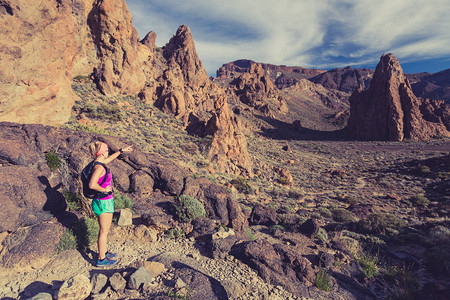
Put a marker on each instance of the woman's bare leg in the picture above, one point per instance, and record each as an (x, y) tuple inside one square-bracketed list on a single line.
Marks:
[(104, 220)]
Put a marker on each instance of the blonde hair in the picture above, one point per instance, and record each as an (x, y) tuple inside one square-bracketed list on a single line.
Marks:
[(94, 147)]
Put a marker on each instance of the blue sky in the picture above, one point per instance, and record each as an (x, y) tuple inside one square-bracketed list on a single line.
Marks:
[(321, 34)]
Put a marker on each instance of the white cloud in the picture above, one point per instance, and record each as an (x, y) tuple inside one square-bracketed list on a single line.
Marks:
[(306, 33)]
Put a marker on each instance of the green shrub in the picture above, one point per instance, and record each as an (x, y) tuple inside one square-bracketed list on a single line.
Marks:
[(53, 160), (68, 241), (81, 78), (173, 233), (326, 213), (351, 200), (322, 235), (420, 200), (284, 180), (86, 230), (323, 281), (242, 185), (275, 228), (368, 265), (122, 201), (342, 215), (189, 208), (250, 235), (440, 234), (72, 199), (380, 223), (424, 169)]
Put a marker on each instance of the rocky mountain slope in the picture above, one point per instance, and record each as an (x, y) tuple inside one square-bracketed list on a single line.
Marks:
[(84, 38), (389, 110), (242, 187)]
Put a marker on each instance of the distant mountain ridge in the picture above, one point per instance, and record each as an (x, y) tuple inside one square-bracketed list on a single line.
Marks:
[(434, 86)]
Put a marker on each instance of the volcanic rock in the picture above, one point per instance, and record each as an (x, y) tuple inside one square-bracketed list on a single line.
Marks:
[(388, 109), (346, 80), (38, 52), (117, 43), (256, 89), (187, 92), (277, 264), (282, 76)]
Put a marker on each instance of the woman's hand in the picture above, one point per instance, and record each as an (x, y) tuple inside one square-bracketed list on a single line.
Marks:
[(126, 149)]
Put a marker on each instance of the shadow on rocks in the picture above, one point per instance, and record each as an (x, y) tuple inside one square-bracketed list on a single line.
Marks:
[(33, 289), (201, 285)]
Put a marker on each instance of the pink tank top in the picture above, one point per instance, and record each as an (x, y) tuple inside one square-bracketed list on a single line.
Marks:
[(105, 184)]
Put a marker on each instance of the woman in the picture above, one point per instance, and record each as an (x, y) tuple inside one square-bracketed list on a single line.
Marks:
[(103, 203)]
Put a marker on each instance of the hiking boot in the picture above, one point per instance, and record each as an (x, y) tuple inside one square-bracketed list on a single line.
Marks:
[(111, 255), (107, 262)]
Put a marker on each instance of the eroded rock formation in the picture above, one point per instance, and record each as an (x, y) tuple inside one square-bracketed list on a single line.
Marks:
[(39, 50), (32, 193), (388, 109), (44, 46), (117, 42), (257, 90)]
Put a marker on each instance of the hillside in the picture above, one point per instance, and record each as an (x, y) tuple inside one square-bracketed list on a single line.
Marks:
[(267, 182)]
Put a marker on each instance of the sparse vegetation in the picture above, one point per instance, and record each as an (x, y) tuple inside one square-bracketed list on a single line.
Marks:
[(53, 160), (420, 200), (250, 234), (323, 281), (86, 230), (122, 201), (368, 265), (73, 200), (342, 215), (189, 208), (381, 224), (68, 241), (322, 235), (174, 233), (242, 185)]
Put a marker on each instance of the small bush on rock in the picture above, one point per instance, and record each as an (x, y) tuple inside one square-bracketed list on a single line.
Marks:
[(368, 265), (380, 223), (322, 235), (173, 233), (342, 215), (420, 200), (242, 185), (189, 208), (122, 201), (53, 160), (68, 241), (72, 199), (323, 281), (86, 230)]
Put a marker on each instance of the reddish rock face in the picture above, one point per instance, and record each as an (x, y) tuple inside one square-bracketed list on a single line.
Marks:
[(85, 37), (388, 110), (282, 76), (186, 91), (38, 50), (346, 80), (256, 89), (117, 43)]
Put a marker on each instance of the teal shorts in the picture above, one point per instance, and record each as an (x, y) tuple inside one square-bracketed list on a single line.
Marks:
[(102, 206)]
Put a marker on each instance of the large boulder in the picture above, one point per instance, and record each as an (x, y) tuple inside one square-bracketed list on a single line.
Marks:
[(117, 42), (31, 247), (24, 197), (218, 202), (277, 264), (38, 53), (388, 109)]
